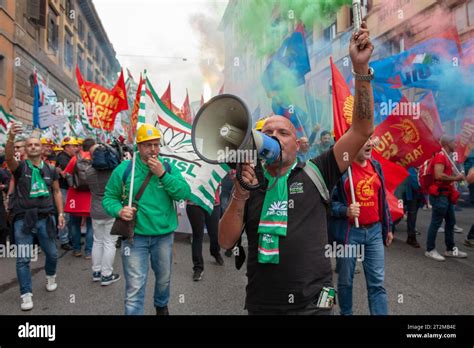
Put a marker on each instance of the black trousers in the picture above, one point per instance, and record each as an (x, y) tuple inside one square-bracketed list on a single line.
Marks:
[(412, 213), (198, 217)]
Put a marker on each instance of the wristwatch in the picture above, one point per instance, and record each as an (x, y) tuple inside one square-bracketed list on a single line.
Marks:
[(362, 77)]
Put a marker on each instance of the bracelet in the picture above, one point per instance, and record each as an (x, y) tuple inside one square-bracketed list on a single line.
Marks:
[(239, 199)]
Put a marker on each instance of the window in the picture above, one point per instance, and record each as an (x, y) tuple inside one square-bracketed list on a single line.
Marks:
[(470, 12), (97, 54), (90, 43), (52, 30), (36, 11), (330, 32), (68, 50), (80, 58), (90, 71), (69, 10), (3, 73), (3, 3), (80, 28)]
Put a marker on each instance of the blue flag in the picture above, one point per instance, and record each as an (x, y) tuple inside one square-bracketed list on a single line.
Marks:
[(36, 104)]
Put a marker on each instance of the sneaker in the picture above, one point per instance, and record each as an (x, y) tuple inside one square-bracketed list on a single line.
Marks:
[(109, 279), (455, 253), (413, 242), (457, 229), (197, 276), (441, 230), (228, 253), (77, 253), (66, 246), (162, 310), (96, 277), (469, 243), (433, 254), (88, 257), (26, 301), (51, 284), (219, 259)]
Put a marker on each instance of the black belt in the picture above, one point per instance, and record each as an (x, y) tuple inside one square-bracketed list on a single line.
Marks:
[(367, 225)]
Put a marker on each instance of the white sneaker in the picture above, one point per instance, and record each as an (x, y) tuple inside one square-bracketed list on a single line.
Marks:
[(441, 230), (51, 285), (455, 253), (26, 301), (433, 254), (457, 229)]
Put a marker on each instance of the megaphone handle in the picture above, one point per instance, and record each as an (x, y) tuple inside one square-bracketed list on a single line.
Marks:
[(241, 181)]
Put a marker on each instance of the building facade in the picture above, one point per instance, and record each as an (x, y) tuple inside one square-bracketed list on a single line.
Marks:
[(7, 30), (53, 36)]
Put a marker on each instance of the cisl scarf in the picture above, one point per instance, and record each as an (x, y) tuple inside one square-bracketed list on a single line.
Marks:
[(274, 218), (38, 185)]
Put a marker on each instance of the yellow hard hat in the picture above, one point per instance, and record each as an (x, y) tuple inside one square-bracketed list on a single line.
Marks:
[(57, 148), (46, 141), (69, 141), (80, 141), (147, 132), (260, 123)]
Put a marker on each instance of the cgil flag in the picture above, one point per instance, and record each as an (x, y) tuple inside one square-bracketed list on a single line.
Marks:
[(176, 147)]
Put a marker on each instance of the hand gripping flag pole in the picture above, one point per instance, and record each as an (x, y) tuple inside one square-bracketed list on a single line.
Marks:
[(351, 185)]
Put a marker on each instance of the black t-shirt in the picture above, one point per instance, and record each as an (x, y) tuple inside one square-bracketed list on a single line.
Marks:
[(303, 269), (62, 161), (22, 200)]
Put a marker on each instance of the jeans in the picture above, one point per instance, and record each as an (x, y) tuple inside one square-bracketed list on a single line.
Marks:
[(64, 233), (198, 217), (442, 208), (135, 268), (25, 240), (374, 270), (76, 222), (103, 249), (412, 212)]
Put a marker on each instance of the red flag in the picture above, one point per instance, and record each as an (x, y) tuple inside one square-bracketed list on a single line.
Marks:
[(102, 105), (186, 109), (405, 140), (166, 97), (465, 139), (429, 115), (202, 100), (342, 102), (221, 91)]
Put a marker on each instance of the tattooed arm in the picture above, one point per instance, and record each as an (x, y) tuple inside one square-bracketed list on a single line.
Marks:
[(347, 147)]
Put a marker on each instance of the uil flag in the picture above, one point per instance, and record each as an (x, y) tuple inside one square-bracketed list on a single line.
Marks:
[(342, 102), (405, 140)]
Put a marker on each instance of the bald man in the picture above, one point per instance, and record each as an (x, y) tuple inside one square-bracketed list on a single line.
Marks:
[(443, 196), (285, 221)]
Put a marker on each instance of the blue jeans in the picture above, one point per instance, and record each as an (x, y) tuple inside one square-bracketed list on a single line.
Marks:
[(48, 245), (442, 209), (76, 234), (374, 270), (135, 268)]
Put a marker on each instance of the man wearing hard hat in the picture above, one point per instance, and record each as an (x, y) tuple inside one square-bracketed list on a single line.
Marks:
[(156, 220)]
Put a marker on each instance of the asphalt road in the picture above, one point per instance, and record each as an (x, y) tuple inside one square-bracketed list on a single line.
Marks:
[(415, 284)]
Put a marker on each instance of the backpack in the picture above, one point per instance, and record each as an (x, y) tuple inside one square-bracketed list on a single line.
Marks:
[(81, 169), (316, 177), (105, 157), (426, 175)]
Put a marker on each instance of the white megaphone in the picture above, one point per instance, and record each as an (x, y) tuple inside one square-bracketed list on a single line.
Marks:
[(222, 133)]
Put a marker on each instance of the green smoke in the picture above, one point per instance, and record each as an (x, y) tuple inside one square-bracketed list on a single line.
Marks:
[(265, 23)]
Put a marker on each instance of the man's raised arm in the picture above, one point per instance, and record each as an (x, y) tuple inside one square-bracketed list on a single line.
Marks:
[(347, 147)]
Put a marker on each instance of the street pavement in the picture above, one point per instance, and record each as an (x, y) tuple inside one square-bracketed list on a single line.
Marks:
[(414, 283)]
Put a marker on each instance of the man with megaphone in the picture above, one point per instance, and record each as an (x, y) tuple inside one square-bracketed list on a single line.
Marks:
[(285, 219)]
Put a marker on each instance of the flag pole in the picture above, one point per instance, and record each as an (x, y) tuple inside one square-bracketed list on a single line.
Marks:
[(351, 184), (141, 119), (451, 161)]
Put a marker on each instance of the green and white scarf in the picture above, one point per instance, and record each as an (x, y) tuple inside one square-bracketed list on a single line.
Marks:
[(38, 185), (274, 218)]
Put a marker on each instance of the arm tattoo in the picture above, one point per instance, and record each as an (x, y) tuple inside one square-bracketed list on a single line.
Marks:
[(363, 104)]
